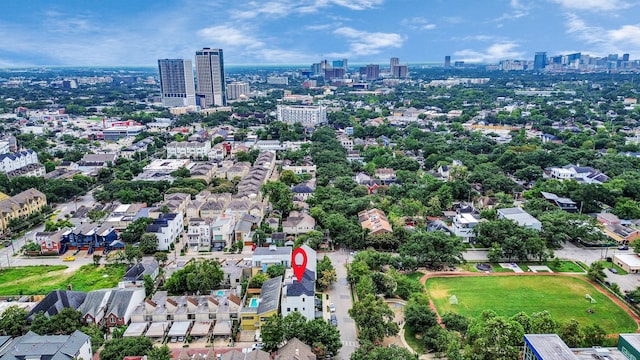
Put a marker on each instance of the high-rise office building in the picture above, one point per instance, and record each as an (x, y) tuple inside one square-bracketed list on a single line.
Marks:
[(394, 61), (342, 64), (237, 89), (625, 57), (540, 61), (447, 61), (373, 72), (400, 71), (212, 90), (176, 82)]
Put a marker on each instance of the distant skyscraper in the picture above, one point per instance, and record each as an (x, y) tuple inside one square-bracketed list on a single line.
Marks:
[(373, 72), (625, 57), (176, 82), (212, 90), (447, 61), (400, 71), (540, 61), (237, 89), (341, 64), (394, 61)]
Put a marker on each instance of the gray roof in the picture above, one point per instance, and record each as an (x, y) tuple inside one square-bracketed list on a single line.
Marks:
[(270, 295), (94, 302), (288, 351), (51, 347), (549, 347), (252, 355), (57, 300), (139, 270), (272, 250), (120, 301)]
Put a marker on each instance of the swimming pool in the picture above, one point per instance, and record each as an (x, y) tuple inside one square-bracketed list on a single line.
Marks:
[(220, 293), (253, 302)]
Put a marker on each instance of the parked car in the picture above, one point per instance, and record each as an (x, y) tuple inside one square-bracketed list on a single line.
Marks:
[(334, 320), (69, 258), (257, 346), (613, 270), (623, 247), (332, 308)]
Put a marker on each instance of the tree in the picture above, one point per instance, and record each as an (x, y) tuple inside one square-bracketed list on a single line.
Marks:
[(117, 349), (65, 322), (418, 314), (159, 353), (132, 253), (494, 337), (596, 272), (97, 336), (370, 352), (40, 324), (134, 231), (275, 270), (326, 273), (148, 243), (272, 332), (433, 249), (456, 322), (96, 259), (571, 333), (594, 335), (289, 177), (149, 285), (374, 319), (13, 321), (280, 196), (257, 280), (161, 257), (323, 337), (199, 276), (543, 323)]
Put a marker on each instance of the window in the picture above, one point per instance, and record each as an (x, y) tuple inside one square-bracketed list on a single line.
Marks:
[(302, 299), (288, 309), (112, 320)]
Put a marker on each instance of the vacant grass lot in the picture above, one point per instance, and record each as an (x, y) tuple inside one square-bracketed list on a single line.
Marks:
[(41, 279), (562, 296)]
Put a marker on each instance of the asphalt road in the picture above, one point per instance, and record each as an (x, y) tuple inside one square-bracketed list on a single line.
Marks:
[(340, 295)]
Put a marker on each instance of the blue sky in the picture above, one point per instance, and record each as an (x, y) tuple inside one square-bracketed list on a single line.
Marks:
[(138, 32)]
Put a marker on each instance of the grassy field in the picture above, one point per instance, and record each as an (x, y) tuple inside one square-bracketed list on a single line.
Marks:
[(40, 280), (562, 296)]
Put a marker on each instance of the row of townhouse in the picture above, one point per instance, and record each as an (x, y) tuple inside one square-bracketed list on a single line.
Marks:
[(23, 163), (189, 149), (20, 206)]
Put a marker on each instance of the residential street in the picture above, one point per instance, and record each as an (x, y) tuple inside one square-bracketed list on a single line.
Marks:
[(340, 295)]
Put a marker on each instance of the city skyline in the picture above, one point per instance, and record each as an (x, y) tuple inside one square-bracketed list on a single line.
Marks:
[(91, 33)]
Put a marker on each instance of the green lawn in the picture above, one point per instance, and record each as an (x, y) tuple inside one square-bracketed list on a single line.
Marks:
[(41, 279), (564, 266), (562, 296)]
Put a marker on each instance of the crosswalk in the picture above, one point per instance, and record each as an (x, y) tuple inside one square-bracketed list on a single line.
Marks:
[(353, 344)]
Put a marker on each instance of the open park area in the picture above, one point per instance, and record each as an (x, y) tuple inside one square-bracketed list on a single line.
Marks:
[(565, 297), (41, 279)]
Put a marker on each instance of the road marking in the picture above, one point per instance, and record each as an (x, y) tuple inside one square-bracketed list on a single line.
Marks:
[(353, 344)]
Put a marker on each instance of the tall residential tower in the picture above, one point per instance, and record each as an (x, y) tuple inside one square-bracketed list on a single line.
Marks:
[(176, 82), (212, 90)]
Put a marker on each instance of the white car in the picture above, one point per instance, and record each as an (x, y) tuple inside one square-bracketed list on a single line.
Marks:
[(332, 308)]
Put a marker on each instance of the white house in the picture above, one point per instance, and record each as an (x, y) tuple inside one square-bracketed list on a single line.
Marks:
[(186, 149), (199, 233), (222, 231), (584, 174), (521, 217), (299, 296), (24, 163), (167, 228), (463, 225), (263, 257)]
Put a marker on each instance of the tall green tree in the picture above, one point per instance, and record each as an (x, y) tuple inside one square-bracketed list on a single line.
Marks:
[(374, 319), (433, 249), (13, 321), (199, 276)]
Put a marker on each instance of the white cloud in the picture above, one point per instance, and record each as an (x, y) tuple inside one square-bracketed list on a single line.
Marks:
[(282, 8), (625, 39), (494, 53), (368, 43), (229, 36), (322, 26), (518, 10), (594, 5), (417, 23)]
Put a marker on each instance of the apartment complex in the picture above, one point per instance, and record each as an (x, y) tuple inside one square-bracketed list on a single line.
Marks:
[(176, 82), (20, 205), (212, 90), (307, 115)]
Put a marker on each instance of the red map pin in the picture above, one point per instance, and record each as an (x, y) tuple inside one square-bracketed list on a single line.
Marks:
[(299, 268)]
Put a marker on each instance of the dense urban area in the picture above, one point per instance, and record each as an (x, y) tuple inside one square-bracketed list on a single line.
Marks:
[(455, 211)]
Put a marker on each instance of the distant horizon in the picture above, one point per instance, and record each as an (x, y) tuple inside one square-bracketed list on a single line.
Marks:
[(89, 33)]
